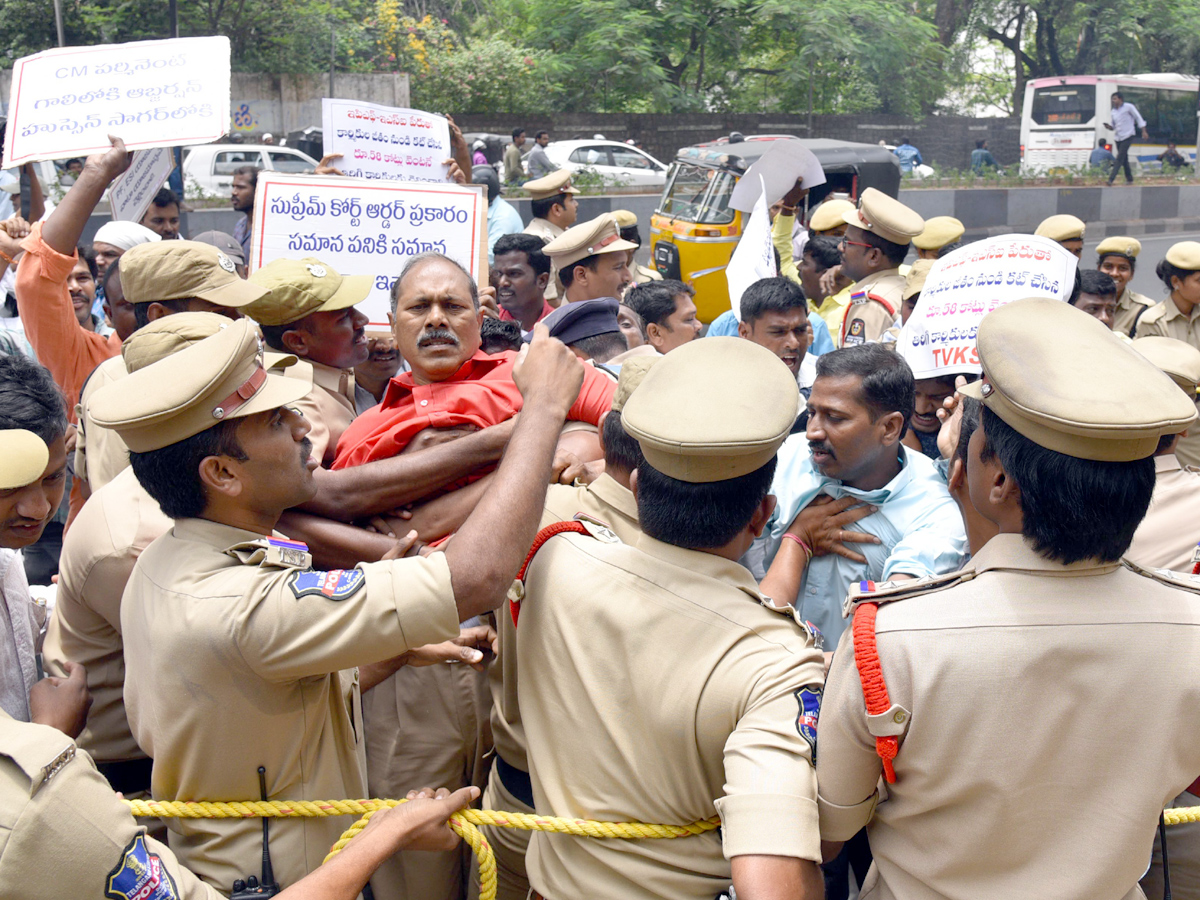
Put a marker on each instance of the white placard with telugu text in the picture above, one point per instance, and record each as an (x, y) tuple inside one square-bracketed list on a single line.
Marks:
[(386, 142), (133, 189), (754, 256)]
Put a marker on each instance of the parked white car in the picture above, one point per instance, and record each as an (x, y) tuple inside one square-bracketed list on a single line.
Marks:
[(614, 161), (210, 166)]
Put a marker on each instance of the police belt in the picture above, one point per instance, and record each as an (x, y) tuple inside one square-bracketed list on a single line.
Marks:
[(516, 781), (129, 776)]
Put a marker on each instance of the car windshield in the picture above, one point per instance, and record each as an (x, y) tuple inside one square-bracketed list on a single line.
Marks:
[(699, 194)]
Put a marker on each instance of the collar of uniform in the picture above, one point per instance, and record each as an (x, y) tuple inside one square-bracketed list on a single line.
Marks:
[(874, 277), (1011, 552), (612, 493), (336, 381), (216, 534), (477, 366), (1168, 462), (1174, 312), (706, 564)]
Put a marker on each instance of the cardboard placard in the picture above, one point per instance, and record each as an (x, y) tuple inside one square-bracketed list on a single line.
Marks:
[(131, 192), (754, 257), (386, 142)]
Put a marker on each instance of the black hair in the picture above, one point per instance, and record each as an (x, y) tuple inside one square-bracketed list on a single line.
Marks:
[(110, 273), (141, 311), (1093, 281), (1166, 271), (1164, 443), (967, 426), (620, 449), (485, 174), (655, 300), (979, 144), (1073, 509), (540, 133), (1132, 260), (517, 132), (699, 515), (630, 233), (949, 248), (904, 139), (602, 347), (1118, 94), (171, 475), (887, 381), (529, 244), (88, 255), (541, 208), (892, 252), (273, 334), (496, 336), (824, 251), (30, 399), (1101, 142), (567, 273), (420, 258), (250, 173), (164, 198), (766, 295)]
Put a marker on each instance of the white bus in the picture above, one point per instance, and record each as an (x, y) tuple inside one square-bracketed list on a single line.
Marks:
[(1063, 118)]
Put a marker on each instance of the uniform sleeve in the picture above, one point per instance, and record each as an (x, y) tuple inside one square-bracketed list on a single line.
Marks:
[(595, 397), (848, 769), (873, 319), (781, 237), (769, 806), (76, 839), (1150, 324), (936, 544), (307, 622)]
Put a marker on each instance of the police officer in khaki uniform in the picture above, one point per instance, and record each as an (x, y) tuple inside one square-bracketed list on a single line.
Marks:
[(608, 500), (1067, 230), (628, 224), (159, 279), (940, 232), (245, 654), (591, 259), (875, 243), (1168, 536), (688, 692), (1117, 257), (554, 211), (308, 311), (990, 692)]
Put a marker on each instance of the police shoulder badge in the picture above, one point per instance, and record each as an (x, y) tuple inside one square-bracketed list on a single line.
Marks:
[(140, 875), (336, 584), (809, 699)]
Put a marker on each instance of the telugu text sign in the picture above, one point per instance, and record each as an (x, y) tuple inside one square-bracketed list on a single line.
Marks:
[(963, 287), (132, 191), (65, 102), (364, 227), (386, 142)]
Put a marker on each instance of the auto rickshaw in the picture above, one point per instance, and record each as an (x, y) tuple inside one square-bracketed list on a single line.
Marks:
[(694, 229)]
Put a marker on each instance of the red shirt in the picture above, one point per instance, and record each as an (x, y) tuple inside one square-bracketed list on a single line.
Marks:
[(506, 316), (480, 393)]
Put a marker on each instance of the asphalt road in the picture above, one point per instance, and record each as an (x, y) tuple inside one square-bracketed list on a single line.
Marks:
[(1154, 248)]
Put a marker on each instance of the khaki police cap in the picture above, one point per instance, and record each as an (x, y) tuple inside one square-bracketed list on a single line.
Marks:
[(882, 215), (749, 406), (1119, 246), (939, 231), (175, 270), (914, 281), (165, 336), (830, 215), (1059, 377), (300, 287), (633, 372), (23, 458), (1179, 359), (221, 377), (625, 219), (600, 235), (550, 185), (1062, 228), (1185, 255)]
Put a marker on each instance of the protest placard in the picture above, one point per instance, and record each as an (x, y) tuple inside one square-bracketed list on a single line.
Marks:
[(964, 286), (754, 256), (386, 142), (364, 227), (65, 102), (132, 190), (775, 173)]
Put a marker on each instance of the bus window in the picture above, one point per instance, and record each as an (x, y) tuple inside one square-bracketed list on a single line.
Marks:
[(1176, 118), (1066, 104)]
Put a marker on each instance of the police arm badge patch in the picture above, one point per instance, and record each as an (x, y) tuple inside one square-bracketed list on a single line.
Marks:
[(809, 700), (140, 875), (336, 584)]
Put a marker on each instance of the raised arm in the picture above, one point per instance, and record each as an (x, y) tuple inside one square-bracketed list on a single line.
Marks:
[(62, 230)]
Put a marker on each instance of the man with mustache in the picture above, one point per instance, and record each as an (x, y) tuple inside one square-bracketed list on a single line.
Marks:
[(233, 627), (907, 526)]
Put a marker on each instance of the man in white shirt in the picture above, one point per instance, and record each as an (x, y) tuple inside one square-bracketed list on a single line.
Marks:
[(1126, 120)]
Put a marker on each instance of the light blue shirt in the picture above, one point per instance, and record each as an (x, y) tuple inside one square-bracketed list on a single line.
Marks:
[(1126, 120), (726, 325), (909, 156), (918, 522), (503, 219)]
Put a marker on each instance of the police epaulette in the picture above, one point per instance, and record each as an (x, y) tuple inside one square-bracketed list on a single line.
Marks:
[(1167, 576), (889, 591)]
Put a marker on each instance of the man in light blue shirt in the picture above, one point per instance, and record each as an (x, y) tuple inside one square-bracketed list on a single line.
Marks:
[(1126, 120), (908, 155), (857, 414), (503, 217)]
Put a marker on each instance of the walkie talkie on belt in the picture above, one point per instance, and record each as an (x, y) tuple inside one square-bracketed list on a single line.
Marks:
[(252, 888)]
